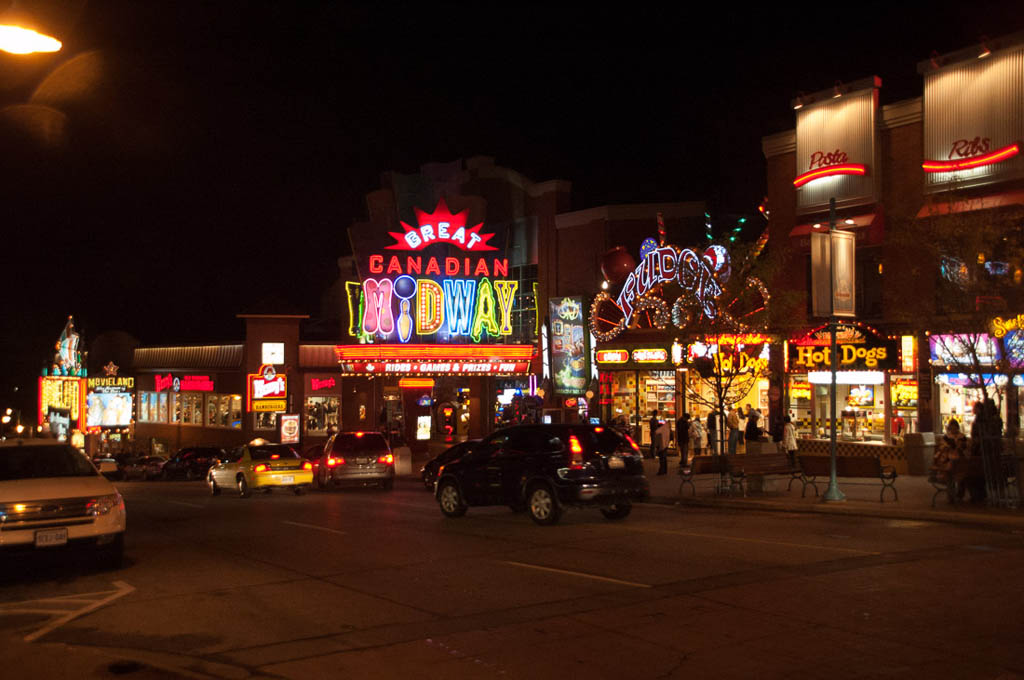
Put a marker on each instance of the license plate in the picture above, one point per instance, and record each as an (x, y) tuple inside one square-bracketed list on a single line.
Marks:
[(49, 537), (616, 462), (287, 479)]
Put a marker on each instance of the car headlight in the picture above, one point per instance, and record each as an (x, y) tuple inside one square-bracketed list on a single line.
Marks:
[(101, 505)]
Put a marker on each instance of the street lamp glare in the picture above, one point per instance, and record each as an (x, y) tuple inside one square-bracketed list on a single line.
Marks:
[(18, 40)]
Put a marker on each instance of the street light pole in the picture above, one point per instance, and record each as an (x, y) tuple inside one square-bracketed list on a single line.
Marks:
[(833, 493)]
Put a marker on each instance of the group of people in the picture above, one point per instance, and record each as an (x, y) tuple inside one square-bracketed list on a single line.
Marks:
[(952, 464), (696, 434)]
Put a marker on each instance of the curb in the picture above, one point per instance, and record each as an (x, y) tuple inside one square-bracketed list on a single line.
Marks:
[(993, 519)]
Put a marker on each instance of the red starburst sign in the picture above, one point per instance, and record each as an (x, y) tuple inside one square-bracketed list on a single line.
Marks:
[(441, 226)]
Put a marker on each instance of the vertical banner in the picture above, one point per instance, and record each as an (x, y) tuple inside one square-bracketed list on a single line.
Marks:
[(289, 424), (569, 370), (821, 275), (833, 274), (844, 284)]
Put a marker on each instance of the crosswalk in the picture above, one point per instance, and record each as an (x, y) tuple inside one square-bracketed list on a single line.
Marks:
[(64, 608)]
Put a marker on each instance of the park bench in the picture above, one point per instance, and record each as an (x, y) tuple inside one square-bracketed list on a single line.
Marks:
[(742, 467), (699, 465), (867, 467)]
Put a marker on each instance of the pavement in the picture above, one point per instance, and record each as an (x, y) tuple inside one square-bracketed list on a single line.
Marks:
[(862, 499)]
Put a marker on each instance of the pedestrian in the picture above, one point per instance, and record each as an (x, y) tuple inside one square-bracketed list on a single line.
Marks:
[(753, 431), (712, 430), (789, 439), (683, 438), (659, 442), (653, 426), (732, 423), (697, 436)]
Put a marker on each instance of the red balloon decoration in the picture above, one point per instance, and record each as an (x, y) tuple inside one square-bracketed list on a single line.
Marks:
[(616, 264)]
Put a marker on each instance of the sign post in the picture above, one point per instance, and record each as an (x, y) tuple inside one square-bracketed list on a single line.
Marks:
[(832, 256)]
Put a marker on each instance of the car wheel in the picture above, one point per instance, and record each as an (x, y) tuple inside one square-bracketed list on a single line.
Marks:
[(321, 480), (298, 491), (112, 555), (542, 505), (450, 499), (618, 511), (214, 489), (243, 487)]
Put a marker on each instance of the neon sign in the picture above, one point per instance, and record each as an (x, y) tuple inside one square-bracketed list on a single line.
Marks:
[(830, 171), (188, 383), (1001, 326), (316, 384), (612, 356), (969, 158), (265, 386), (650, 356), (435, 294), (701, 278)]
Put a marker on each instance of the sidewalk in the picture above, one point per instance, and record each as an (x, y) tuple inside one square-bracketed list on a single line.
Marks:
[(915, 499)]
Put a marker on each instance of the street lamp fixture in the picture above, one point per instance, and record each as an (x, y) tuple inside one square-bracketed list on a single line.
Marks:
[(18, 40)]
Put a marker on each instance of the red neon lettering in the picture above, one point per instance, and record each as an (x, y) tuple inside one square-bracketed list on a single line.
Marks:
[(820, 159), (501, 268), (432, 267), (451, 266), (393, 266), (376, 264), (481, 268), (413, 265)]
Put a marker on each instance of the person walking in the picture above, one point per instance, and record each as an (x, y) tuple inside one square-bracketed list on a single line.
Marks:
[(712, 430), (660, 444), (683, 438), (789, 439), (732, 423), (653, 425)]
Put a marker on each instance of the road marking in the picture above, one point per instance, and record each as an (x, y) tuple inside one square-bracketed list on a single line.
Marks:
[(53, 606), (756, 540), (579, 574), (313, 526), (189, 505)]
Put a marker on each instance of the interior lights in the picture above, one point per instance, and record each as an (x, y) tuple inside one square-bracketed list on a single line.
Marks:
[(849, 221), (837, 90), (985, 51)]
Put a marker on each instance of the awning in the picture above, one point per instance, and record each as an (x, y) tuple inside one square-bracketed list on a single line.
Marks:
[(209, 357), (867, 226), (1000, 200)]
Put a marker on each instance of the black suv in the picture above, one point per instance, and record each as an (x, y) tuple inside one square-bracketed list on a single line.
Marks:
[(545, 468)]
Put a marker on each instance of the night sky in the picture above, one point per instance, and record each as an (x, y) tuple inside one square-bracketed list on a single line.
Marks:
[(180, 162)]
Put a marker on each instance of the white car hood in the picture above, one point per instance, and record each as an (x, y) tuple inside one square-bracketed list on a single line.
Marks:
[(45, 488)]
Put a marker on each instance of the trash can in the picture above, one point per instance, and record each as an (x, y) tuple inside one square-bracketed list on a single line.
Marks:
[(919, 449)]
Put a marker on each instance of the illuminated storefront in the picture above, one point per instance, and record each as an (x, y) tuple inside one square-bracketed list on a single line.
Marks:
[(735, 365), (876, 384), (110, 409), (62, 396), (436, 300), (636, 380)]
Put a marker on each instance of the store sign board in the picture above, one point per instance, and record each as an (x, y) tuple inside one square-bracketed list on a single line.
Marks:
[(650, 356), (111, 384), (798, 389), (184, 383), (733, 359), (452, 281), (964, 349), (264, 385), (1001, 326), (972, 122), (856, 349), (835, 149), (612, 356), (269, 406), (904, 393), (569, 365), (62, 394), (329, 383), (289, 426)]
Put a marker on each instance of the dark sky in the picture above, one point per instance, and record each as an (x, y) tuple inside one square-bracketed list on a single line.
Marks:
[(188, 159)]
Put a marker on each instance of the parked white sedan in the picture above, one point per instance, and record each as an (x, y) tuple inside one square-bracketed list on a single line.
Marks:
[(51, 495)]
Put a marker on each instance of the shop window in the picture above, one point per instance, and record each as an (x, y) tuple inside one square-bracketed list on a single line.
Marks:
[(322, 414), (524, 311), (224, 410), (187, 408), (265, 421), (152, 407)]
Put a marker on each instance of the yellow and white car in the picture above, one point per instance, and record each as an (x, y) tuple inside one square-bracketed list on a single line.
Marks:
[(260, 465)]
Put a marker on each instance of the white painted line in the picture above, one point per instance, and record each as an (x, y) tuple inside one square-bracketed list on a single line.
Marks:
[(122, 589), (313, 526), (740, 539), (189, 505), (579, 574)]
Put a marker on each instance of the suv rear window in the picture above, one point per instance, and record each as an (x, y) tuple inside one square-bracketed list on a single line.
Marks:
[(350, 442), (31, 462), (605, 442), (269, 452)]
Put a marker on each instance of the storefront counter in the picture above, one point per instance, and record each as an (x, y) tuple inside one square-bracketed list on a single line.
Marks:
[(890, 454)]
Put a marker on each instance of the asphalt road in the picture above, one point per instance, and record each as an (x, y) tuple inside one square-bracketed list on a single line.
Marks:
[(370, 584)]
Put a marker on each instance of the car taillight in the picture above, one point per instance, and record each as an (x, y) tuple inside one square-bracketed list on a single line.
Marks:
[(307, 465), (332, 461), (632, 443), (387, 459), (260, 468), (575, 453)]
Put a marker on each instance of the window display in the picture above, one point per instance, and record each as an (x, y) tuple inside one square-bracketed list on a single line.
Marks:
[(322, 415), (224, 410)]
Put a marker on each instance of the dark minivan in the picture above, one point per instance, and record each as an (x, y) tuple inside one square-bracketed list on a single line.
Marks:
[(544, 469)]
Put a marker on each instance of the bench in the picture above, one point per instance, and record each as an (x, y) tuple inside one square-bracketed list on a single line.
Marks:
[(699, 465), (868, 467), (743, 466)]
